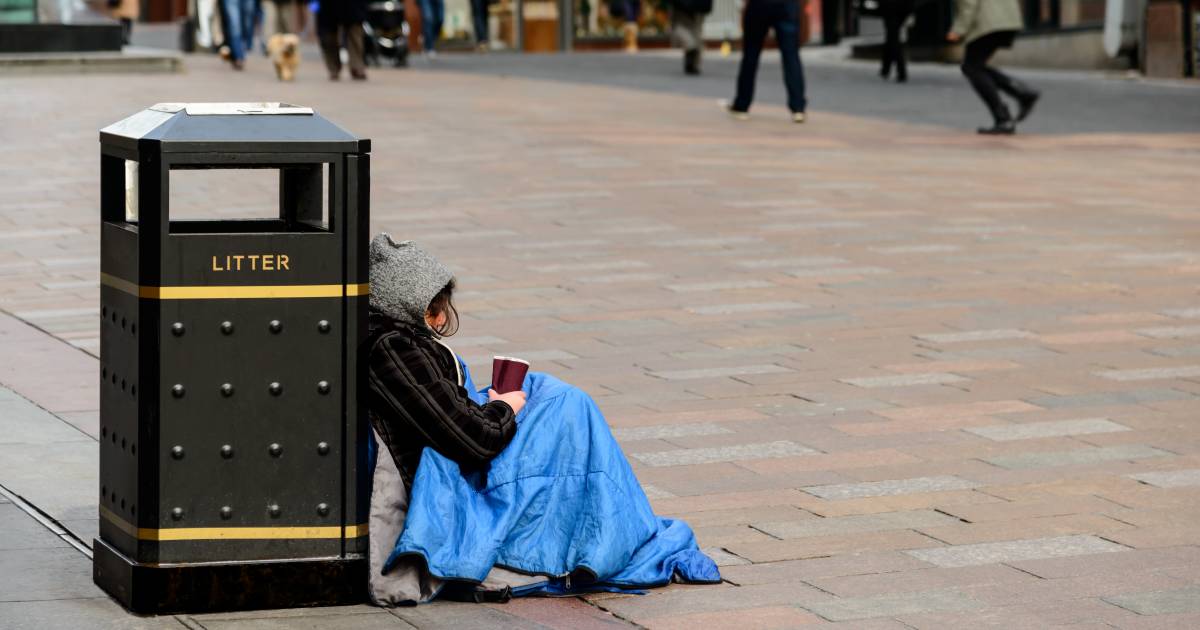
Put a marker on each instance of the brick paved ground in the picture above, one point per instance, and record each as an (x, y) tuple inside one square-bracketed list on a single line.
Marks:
[(895, 376)]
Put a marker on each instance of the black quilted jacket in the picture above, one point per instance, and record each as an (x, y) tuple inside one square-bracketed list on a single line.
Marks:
[(416, 401)]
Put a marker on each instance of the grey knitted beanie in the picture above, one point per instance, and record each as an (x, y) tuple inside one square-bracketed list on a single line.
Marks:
[(404, 279)]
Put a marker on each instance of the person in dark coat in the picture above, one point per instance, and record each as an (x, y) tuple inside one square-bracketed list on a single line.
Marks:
[(687, 27), (894, 13), (782, 17), (338, 22), (986, 26)]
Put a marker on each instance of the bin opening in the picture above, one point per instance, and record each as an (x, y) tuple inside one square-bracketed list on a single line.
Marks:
[(218, 199)]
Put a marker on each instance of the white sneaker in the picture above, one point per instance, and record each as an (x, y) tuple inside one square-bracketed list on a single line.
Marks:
[(798, 117), (728, 107)]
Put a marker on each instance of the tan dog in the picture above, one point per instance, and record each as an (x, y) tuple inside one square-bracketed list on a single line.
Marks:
[(285, 54)]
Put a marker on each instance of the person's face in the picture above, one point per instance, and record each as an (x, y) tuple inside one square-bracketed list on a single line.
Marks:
[(437, 322)]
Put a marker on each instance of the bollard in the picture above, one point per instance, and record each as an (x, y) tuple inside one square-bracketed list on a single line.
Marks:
[(233, 450)]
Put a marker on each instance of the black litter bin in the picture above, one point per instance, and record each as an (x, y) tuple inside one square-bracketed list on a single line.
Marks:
[(233, 458)]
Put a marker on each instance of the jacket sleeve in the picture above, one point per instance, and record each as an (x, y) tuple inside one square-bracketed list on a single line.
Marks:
[(416, 398), (965, 12)]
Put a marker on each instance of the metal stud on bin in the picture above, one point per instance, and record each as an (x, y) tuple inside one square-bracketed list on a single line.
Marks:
[(233, 457)]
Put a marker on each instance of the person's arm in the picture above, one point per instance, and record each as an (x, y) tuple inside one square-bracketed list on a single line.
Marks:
[(964, 18), (410, 393)]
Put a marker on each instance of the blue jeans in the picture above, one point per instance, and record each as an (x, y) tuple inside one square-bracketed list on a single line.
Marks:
[(783, 17), (479, 13), (432, 14), (239, 26)]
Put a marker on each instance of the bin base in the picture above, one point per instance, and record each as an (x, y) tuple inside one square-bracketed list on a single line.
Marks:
[(214, 587)]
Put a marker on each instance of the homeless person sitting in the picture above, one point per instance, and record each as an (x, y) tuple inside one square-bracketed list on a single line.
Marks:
[(481, 496)]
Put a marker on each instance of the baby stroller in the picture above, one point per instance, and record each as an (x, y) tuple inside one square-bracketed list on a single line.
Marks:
[(386, 33)]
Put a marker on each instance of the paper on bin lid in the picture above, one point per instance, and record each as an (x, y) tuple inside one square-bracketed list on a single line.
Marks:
[(228, 109)]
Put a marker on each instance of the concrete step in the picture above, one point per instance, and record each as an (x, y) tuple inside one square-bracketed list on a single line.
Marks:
[(129, 60)]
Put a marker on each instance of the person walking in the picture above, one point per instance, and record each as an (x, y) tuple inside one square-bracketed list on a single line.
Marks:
[(632, 12), (239, 29), (687, 17), (433, 13), (985, 26), (895, 13), (479, 15), (341, 21), (782, 17)]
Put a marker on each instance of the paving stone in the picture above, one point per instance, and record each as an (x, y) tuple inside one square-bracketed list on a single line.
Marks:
[(1148, 374), (1055, 428), (1185, 600), (741, 452), (654, 492), (727, 285), (335, 621), (19, 530), (894, 605), (824, 546), (1017, 550), (917, 249), (775, 263), (905, 380), (751, 307), (1110, 399), (442, 615), (1181, 351), (852, 524), (976, 335), (1170, 332), (1186, 313), (702, 599), (892, 487), (965, 410), (95, 613), (723, 558), (765, 618), (682, 375), (827, 272), (668, 431), (1170, 478), (44, 574), (882, 564), (1125, 452)]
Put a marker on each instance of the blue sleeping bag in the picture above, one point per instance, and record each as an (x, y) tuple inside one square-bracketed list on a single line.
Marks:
[(561, 500)]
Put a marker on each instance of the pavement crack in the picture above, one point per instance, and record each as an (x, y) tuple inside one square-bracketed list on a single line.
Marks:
[(600, 606), (46, 521)]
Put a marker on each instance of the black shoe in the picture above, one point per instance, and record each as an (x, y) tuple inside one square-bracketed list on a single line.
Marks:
[(999, 128), (902, 78), (1025, 105), (691, 62)]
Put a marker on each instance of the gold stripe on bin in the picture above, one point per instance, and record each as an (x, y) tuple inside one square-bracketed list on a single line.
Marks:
[(233, 533), (235, 292)]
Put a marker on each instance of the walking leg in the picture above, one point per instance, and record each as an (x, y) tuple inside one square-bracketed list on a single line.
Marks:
[(974, 67), (354, 48), (754, 33), (1026, 96), (331, 48), (787, 34)]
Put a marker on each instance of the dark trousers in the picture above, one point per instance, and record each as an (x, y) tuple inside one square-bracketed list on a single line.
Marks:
[(988, 81), (894, 15), (332, 36), (479, 13), (783, 17)]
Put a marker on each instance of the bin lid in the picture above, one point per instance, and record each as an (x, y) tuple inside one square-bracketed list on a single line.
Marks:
[(232, 127)]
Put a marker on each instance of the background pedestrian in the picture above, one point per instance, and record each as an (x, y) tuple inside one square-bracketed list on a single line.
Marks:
[(433, 13), (986, 26), (341, 22), (782, 17), (687, 17), (894, 13), (239, 29), (479, 14)]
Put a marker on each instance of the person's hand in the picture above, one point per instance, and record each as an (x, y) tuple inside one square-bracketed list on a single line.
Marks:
[(516, 399), (953, 37)]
